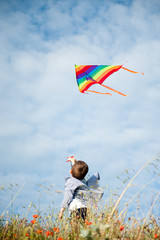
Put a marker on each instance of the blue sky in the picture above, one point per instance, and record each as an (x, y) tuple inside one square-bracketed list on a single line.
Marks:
[(44, 118)]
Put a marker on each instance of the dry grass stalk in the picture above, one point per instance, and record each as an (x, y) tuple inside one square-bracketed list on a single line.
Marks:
[(12, 200), (128, 185), (149, 212)]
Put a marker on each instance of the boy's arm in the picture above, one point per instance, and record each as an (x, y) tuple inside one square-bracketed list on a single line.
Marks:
[(93, 180), (68, 196), (61, 213), (72, 160)]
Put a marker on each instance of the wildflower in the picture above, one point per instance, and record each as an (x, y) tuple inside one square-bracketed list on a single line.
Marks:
[(95, 205), (39, 231), (35, 216), (56, 230), (33, 221), (59, 238), (87, 222), (27, 234), (121, 228), (155, 235), (15, 235), (48, 233)]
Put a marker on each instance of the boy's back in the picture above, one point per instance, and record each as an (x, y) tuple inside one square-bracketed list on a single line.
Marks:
[(80, 193)]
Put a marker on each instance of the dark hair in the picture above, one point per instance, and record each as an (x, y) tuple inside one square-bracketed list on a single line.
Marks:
[(79, 170)]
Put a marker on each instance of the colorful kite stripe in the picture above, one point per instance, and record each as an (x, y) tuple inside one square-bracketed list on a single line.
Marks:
[(88, 75)]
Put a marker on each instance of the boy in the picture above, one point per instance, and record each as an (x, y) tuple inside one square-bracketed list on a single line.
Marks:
[(78, 192)]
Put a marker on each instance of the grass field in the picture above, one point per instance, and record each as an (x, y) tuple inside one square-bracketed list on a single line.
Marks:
[(104, 221), (98, 225)]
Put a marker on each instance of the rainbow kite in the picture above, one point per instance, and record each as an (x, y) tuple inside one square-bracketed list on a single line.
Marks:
[(87, 75)]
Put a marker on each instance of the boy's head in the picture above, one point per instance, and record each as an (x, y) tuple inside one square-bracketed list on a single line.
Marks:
[(79, 170)]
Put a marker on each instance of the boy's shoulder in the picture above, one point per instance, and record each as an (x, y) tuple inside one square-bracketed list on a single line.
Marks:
[(73, 182)]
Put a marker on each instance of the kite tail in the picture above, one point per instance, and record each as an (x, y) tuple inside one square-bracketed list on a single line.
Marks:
[(113, 90), (132, 71), (98, 92)]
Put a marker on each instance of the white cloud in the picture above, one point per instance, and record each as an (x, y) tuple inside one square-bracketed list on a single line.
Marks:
[(44, 117)]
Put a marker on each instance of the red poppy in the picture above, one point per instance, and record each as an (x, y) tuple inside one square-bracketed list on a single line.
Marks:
[(121, 228), (48, 233), (27, 234), (87, 222), (39, 231), (56, 230), (59, 238), (35, 216), (33, 221), (155, 235)]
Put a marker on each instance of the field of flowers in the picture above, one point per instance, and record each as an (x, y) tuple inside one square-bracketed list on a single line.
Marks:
[(104, 221), (98, 225)]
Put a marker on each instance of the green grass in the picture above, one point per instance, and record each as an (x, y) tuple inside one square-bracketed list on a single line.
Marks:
[(99, 225), (104, 221)]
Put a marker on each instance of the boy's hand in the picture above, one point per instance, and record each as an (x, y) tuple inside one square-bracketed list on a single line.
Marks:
[(61, 213), (72, 160)]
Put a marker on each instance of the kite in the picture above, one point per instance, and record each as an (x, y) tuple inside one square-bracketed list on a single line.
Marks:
[(88, 75)]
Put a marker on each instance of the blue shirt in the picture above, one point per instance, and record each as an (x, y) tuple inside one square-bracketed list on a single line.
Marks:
[(82, 190)]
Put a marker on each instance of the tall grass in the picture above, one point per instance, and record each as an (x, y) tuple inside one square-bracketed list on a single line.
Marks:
[(107, 220)]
